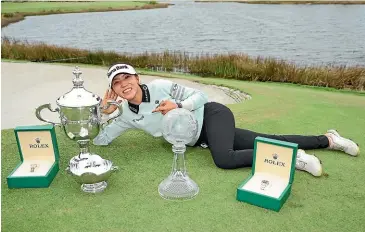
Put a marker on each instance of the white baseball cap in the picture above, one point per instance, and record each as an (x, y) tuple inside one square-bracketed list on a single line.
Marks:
[(118, 69)]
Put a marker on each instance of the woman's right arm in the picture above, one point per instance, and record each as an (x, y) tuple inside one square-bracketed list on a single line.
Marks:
[(111, 131)]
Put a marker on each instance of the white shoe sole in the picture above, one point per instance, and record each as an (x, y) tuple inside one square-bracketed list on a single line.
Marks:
[(356, 151)]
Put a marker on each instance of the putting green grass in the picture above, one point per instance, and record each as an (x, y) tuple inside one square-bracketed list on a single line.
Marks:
[(34, 7), (334, 202)]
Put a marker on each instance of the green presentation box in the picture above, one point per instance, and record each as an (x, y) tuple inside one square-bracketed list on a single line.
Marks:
[(270, 181), (39, 157)]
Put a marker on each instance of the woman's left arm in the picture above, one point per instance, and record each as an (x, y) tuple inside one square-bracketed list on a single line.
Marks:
[(190, 98)]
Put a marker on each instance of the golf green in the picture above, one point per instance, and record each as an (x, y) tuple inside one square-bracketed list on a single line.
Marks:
[(333, 202)]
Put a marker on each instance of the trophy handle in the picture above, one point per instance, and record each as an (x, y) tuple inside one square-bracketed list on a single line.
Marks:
[(120, 110), (45, 106)]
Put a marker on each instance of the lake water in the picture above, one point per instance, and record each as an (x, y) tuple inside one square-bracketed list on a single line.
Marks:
[(304, 34)]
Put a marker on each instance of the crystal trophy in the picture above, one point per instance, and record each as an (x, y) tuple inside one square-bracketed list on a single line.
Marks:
[(179, 128)]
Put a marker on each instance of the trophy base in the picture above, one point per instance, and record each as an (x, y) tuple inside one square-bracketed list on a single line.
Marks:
[(178, 187), (94, 188)]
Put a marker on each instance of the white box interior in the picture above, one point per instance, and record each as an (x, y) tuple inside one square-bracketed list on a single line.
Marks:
[(274, 189), (41, 169), (43, 158)]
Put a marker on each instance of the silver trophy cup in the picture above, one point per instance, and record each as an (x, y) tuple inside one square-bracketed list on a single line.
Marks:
[(80, 113)]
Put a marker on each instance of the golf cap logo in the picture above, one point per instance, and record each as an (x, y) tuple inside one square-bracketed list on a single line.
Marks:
[(116, 68)]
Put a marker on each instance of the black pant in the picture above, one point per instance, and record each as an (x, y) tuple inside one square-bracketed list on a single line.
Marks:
[(232, 147)]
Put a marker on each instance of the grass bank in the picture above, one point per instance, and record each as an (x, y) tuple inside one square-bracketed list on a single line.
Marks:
[(314, 2), (236, 66), (131, 201), (15, 11)]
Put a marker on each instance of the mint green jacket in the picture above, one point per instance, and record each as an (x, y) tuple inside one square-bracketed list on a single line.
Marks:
[(141, 116)]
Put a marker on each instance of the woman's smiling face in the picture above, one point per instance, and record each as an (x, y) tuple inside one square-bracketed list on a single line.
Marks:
[(126, 85)]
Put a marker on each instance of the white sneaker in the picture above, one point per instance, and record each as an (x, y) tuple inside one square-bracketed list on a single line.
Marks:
[(308, 163), (342, 144)]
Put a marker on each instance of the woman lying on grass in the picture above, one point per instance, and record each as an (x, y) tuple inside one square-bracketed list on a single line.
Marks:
[(231, 147)]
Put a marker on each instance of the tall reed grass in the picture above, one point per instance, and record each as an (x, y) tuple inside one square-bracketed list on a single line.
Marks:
[(231, 66)]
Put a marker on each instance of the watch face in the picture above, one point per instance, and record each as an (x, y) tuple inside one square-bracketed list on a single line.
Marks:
[(264, 184)]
